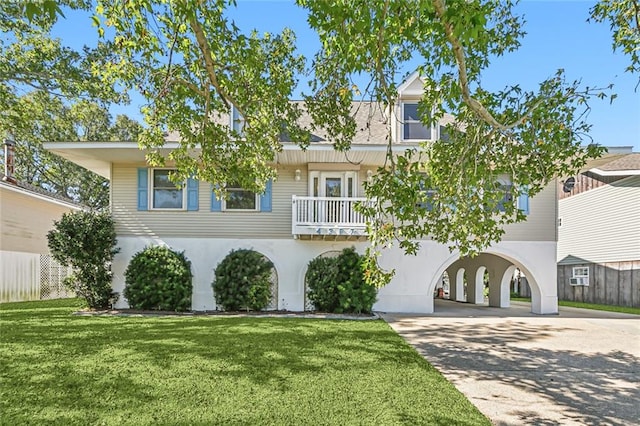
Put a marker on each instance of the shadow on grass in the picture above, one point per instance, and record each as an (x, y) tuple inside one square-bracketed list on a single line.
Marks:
[(64, 369)]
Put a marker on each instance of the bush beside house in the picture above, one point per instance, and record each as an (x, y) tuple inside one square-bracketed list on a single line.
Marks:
[(243, 281), (86, 241), (337, 284), (159, 278)]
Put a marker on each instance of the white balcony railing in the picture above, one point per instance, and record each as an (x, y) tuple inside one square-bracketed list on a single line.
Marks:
[(327, 216)]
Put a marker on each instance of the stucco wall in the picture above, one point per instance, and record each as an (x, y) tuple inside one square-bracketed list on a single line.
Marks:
[(410, 291)]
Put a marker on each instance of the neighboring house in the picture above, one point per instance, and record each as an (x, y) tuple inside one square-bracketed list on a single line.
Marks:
[(599, 232), (307, 212), (27, 213)]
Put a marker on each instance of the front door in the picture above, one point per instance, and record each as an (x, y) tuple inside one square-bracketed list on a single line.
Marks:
[(329, 185)]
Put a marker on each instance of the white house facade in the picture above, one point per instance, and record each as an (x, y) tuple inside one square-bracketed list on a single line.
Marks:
[(307, 212)]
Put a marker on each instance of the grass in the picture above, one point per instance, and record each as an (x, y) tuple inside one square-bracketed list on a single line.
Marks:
[(582, 305), (59, 368)]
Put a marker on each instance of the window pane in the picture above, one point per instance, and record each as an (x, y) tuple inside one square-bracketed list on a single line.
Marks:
[(161, 179), (166, 195), (411, 112), (416, 131), (240, 199), (167, 198), (333, 187)]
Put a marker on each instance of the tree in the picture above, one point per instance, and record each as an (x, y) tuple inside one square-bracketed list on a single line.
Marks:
[(86, 241), (624, 19), (51, 119), (193, 65), (49, 92)]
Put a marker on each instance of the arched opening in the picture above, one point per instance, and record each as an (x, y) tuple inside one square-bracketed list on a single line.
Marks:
[(495, 269)]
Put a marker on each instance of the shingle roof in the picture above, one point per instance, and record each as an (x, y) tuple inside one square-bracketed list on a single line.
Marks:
[(37, 190), (623, 163), (372, 125)]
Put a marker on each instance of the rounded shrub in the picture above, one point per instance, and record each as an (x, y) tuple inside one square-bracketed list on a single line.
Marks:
[(337, 284), (243, 281), (159, 278), (322, 278)]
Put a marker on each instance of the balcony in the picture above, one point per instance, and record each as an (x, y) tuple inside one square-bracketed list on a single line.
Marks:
[(327, 218)]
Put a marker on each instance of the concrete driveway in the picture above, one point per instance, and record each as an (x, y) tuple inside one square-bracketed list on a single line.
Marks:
[(580, 367)]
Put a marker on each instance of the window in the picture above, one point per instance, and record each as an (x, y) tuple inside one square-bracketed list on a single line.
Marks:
[(580, 276), (239, 198), (506, 190), (165, 194), (412, 128), (237, 121), (333, 183)]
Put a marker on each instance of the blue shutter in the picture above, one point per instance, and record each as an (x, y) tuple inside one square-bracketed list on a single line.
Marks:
[(265, 198), (216, 204), (192, 194), (143, 189), (523, 201)]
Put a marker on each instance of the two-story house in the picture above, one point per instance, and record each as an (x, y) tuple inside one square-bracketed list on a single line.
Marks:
[(309, 211)]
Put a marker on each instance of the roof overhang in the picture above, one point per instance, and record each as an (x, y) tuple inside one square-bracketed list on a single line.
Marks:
[(615, 172), (99, 156)]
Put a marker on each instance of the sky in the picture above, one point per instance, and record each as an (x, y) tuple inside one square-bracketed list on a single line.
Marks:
[(558, 36)]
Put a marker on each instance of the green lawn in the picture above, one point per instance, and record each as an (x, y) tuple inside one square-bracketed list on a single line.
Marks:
[(58, 368), (610, 308)]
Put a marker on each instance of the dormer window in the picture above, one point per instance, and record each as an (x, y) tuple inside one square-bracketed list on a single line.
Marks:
[(412, 127), (237, 121)]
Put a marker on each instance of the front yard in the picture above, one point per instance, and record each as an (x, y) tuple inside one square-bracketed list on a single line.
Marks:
[(59, 368)]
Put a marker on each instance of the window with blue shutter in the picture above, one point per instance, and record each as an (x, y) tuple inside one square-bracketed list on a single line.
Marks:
[(265, 198), (216, 204), (192, 194), (143, 189)]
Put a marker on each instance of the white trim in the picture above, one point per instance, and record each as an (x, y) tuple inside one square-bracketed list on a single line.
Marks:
[(343, 175), (42, 197), (151, 190), (403, 139), (615, 172), (288, 146), (256, 195)]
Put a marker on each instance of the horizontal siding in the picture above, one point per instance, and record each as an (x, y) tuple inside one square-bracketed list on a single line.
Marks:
[(602, 225), (204, 223), (541, 221), (540, 225), (25, 222)]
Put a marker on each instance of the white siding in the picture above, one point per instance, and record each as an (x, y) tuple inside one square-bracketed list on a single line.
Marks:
[(602, 225)]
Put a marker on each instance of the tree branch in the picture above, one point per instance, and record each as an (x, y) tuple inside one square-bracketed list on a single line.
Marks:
[(463, 79), (210, 65)]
